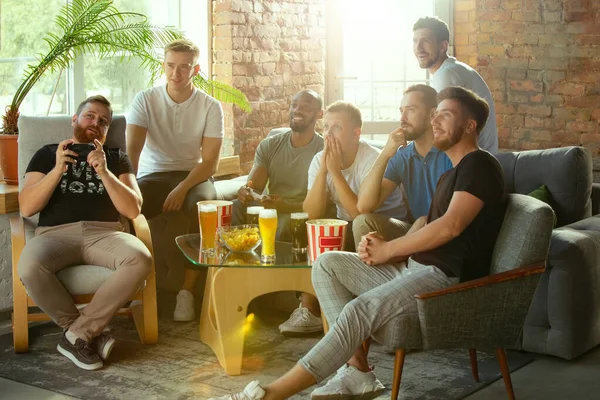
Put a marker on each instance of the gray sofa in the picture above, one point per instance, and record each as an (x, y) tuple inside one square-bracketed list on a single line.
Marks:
[(564, 318)]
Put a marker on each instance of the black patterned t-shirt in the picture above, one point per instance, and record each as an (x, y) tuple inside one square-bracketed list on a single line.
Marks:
[(80, 194)]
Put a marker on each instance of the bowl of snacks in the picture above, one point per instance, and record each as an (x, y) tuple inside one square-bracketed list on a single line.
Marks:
[(240, 238)]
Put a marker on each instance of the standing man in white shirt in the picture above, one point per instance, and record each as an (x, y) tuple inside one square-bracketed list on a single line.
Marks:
[(431, 38), (174, 136)]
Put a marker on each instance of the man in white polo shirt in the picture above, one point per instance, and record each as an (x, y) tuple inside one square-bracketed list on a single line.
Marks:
[(174, 136), (431, 38)]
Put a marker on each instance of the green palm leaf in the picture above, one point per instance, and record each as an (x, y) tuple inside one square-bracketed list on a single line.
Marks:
[(97, 27)]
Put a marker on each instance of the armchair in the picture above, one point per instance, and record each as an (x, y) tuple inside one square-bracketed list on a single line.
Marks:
[(486, 313), (81, 281)]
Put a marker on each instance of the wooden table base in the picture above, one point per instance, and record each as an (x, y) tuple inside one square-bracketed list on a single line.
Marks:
[(228, 293)]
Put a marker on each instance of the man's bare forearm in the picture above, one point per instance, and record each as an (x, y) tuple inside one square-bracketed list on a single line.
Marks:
[(315, 203), (369, 195), (347, 197), (125, 199), (202, 172), (34, 198)]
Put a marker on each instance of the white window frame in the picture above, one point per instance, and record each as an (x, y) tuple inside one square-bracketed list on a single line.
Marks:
[(334, 81)]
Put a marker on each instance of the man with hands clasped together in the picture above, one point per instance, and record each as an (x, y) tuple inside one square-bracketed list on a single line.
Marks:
[(338, 172), (417, 165), (362, 293), (79, 199)]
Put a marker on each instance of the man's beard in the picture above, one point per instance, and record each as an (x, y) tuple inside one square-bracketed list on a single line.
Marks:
[(82, 135), (449, 141), (300, 126), (411, 133), (430, 62)]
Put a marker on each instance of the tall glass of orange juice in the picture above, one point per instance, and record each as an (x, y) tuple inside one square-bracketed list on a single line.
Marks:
[(207, 214), (267, 223)]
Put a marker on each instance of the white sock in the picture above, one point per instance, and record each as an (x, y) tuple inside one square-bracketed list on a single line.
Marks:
[(71, 337)]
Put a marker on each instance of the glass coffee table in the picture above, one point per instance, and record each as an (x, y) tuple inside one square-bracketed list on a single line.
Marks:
[(233, 281)]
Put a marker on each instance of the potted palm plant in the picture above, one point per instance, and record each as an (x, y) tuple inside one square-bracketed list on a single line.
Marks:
[(97, 27)]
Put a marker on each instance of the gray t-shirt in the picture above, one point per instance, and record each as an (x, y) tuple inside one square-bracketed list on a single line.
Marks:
[(287, 165), (456, 73)]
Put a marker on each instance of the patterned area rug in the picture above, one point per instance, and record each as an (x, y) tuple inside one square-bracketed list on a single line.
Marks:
[(182, 367)]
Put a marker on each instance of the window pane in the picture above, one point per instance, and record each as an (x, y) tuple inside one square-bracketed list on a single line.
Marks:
[(120, 81), (116, 80), (23, 24), (380, 57)]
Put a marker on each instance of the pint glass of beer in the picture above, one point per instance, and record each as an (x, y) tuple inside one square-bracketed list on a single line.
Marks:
[(208, 227), (298, 230), (267, 223), (252, 214)]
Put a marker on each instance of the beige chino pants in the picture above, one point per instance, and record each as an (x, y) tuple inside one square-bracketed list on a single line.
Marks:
[(83, 243)]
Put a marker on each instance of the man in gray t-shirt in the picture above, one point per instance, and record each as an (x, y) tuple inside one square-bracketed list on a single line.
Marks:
[(282, 159), (431, 38)]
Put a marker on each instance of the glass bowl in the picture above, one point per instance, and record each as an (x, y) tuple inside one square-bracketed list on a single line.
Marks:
[(240, 238)]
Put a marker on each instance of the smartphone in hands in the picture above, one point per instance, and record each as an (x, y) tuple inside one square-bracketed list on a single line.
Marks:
[(255, 195)]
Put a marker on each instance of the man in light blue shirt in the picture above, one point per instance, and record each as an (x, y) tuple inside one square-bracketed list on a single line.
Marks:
[(431, 38), (416, 165)]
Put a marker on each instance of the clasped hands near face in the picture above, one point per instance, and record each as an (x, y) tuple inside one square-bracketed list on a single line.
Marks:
[(96, 158)]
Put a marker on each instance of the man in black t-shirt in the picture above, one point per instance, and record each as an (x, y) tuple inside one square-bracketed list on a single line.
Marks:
[(361, 293), (80, 187)]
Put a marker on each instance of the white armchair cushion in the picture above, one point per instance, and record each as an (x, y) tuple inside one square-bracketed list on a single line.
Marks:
[(83, 279)]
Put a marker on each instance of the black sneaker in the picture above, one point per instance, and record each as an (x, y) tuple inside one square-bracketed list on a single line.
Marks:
[(80, 353), (103, 345)]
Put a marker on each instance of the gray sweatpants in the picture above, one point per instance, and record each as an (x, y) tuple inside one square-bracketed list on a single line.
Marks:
[(83, 243), (359, 299)]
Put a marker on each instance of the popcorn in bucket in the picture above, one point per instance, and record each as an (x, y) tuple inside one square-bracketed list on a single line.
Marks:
[(325, 235)]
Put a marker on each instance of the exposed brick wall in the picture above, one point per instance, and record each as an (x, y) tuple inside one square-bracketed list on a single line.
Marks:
[(541, 60), (270, 50)]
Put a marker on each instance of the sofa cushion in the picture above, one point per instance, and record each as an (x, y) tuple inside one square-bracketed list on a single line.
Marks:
[(543, 194), (566, 171), (227, 189)]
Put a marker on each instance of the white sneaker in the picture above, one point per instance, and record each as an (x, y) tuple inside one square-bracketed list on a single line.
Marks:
[(301, 321), (184, 309), (252, 391), (350, 383)]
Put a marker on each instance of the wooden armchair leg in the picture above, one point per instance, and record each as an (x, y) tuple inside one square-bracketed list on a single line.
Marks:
[(474, 367), (398, 365), (503, 361)]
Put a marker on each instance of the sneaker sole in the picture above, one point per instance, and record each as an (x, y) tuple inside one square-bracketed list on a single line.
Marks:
[(87, 367), (364, 396), (107, 349), (311, 329)]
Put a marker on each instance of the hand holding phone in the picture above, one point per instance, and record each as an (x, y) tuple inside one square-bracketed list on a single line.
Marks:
[(255, 195)]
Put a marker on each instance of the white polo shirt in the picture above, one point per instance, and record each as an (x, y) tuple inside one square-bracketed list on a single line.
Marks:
[(175, 131)]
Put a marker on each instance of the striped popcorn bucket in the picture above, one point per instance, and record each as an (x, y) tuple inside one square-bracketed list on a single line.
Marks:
[(325, 235), (224, 208)]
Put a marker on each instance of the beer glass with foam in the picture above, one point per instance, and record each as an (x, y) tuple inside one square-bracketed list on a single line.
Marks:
[(267, 223)]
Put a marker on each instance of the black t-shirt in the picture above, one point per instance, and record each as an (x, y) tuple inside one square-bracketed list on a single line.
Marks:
[(469, 255), (80, 194)]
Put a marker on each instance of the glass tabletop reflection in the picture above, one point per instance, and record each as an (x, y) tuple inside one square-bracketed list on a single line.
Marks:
[(285, 256)]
